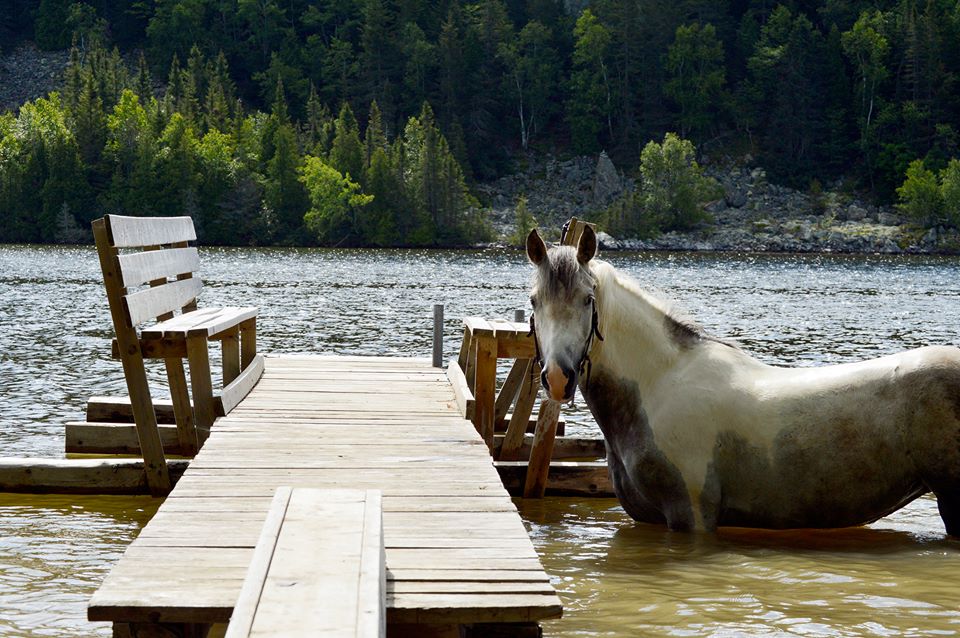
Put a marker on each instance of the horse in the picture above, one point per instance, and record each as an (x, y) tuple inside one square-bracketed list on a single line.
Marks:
[(700, 435)]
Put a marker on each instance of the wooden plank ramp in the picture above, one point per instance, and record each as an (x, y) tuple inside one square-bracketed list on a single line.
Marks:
[(456, 550)]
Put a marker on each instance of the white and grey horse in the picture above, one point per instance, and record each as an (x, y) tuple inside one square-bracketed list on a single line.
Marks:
[(699, 434)]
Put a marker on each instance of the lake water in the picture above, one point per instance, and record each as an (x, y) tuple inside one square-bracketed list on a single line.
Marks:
[(898, 577)]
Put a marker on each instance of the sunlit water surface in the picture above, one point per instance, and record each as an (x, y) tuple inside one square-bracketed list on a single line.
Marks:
[(898, 577)]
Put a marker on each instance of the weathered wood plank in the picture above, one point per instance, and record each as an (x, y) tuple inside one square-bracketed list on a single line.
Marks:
[(139, 232), (151, 303), (566, 478), (231, 396), (139, 268), (318, 568), (79, 476)]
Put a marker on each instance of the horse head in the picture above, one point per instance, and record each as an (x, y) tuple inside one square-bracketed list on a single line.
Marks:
[(564, 318)]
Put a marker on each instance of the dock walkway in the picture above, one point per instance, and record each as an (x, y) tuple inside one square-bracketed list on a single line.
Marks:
[(457, 552)]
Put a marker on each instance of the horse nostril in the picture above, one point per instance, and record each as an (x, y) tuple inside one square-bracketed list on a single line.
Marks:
[(543, 380)]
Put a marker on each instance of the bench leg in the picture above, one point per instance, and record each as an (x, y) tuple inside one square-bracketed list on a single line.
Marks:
[(231, 356), (198, 355), (182, 410), (248, 342)]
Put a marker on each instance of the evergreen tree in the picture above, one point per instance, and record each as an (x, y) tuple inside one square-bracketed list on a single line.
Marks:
[(346, 154), (51, 29), (144, 86), (696, 81), (591, 102)]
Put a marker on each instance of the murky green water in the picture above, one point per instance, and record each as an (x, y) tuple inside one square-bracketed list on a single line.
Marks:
[(898, 577)]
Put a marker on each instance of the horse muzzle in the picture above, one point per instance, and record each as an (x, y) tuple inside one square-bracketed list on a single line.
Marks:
[(559, 383)]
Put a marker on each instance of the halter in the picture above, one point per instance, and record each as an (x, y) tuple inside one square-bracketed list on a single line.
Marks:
[(585, 362)]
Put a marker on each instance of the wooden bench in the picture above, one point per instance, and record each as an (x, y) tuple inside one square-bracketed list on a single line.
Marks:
[(318, 568), (148, 271)]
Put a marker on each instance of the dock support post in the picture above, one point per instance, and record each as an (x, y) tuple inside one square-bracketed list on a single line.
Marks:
[(438, 335)]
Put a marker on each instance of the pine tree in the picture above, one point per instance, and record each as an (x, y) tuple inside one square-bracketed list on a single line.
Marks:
[(346, 154), (374, 137), (144, 86), (284, 193)]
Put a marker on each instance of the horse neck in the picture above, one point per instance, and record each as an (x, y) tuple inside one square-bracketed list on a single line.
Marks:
[(636, 343)]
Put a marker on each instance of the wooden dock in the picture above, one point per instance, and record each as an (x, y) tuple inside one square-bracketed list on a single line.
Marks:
[(457, 553)]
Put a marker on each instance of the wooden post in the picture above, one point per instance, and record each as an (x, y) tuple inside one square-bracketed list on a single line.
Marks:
[(509, 391), (182, 410), (230, 364), (519, 315), (513, 439), (202, 386), (542, 450), (485, 387), (438, 335), (154, 462), (248, 342)]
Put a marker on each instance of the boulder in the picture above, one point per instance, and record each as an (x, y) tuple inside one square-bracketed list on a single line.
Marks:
[(607, 184), (607, 242), (855, 213), (888, 219)]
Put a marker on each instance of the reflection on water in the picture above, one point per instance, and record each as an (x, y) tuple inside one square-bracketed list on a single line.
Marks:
[(616, 578), (897, 577), (55, 551)]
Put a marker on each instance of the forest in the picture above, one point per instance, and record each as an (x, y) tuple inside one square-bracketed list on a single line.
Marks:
[(365, 122)]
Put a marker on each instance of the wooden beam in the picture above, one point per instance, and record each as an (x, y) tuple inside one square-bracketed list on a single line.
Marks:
[(485, 387), (541, 450), (116, 438), (566, 478), (565, 448), (117, 409), (75, 476), (234, 393)]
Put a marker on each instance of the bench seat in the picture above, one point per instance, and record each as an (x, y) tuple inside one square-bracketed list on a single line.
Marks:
[(205, 322)]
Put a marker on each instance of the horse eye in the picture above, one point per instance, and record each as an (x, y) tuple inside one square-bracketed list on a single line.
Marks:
[(589, 300)]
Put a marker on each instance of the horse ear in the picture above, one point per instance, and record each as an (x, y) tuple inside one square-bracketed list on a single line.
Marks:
[(587, 246), (536, 249)]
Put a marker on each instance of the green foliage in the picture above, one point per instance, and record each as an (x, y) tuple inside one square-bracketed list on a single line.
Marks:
[(929, 198), (524, 222), (673, 187), (591, 101), (672, 191), (950, 192), (818, 90), (697, 78), (334, 203), (920, 197)]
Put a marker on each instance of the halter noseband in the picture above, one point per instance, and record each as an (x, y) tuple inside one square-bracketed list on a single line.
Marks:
[(585, 362)]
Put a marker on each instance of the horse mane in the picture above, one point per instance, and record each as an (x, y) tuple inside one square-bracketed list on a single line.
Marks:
[(679, 325)]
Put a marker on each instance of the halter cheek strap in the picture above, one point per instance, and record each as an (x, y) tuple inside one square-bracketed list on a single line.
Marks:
[(585, 363)]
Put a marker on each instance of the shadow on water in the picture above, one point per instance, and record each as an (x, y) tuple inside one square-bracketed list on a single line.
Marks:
[(621, 578)]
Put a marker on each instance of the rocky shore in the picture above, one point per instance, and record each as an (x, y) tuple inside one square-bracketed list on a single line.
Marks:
[(27, 73), (753, 215)]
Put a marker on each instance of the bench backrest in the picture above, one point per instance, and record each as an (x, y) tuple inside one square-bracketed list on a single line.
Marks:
[(135, 251)]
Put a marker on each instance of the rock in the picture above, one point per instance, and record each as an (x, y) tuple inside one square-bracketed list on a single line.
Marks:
[(607, 184), (888, 219), (607, 242), (855, 213), (735, 197), (890, 247)]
